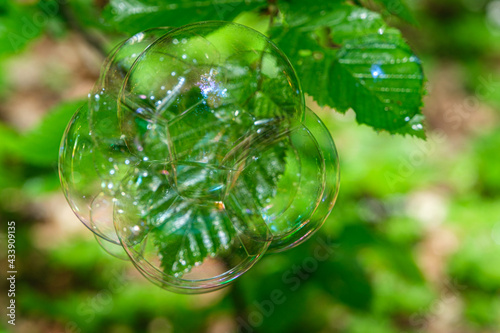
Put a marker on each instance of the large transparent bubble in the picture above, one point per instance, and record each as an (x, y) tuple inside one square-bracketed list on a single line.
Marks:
[(93, 156), (196, 155)]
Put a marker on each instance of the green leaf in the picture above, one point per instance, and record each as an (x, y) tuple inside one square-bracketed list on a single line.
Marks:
[(358, 236), (415, 127), (184, 227), (17, 26), (183, 232), (488, 177), (380, 78), (345, 280), (349, 59), (400, 260), (9, 139), (204, 231), (299, 12), (136, 15), (40, 146)]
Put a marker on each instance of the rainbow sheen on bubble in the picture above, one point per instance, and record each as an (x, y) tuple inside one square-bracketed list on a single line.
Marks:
[(196, 155)]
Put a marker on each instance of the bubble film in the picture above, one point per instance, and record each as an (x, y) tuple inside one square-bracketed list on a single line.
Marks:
[(195, 155)]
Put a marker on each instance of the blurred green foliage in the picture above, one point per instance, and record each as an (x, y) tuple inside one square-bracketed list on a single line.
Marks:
[(413, 239)]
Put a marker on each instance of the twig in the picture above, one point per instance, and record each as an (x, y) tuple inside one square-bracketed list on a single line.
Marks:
[(239, 304), (73, 24)]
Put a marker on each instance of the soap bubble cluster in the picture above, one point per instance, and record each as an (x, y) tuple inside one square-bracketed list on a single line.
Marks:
[(195, 155)]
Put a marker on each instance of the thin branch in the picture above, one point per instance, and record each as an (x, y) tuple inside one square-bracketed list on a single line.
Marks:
[(73, 24), (239, 304)]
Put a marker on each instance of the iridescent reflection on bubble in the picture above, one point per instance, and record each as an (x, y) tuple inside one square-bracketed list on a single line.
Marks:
[(196, 155)]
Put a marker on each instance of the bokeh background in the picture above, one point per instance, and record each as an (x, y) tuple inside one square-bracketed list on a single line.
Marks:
[(412, 245)]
